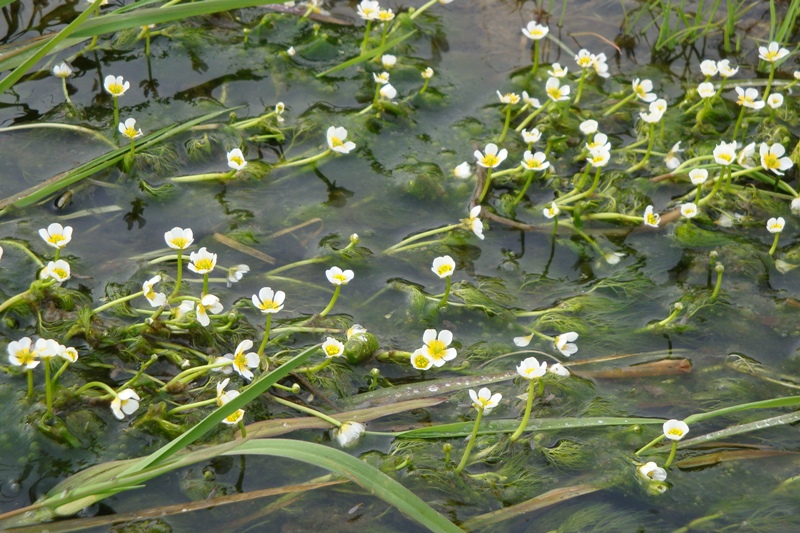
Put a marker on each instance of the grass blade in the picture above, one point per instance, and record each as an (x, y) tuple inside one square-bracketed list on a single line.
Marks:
[(369, 54)]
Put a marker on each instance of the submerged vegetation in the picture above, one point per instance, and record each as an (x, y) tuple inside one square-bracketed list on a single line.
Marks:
[(566, 281)]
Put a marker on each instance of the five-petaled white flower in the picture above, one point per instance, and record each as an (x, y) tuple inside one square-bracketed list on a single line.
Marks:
[(436, 346), (116, 86), (427, 73), (236, 159), (564, 343), (643, 90), (337, 276), (599, 141), (58, 271), (388, 61), (551, 210), (443, 266), (462, 171), (651, 471), (588, 127), (484, 400), (388, 92), (234, 418), (530, 101), (23, 353), (207, 304), (128, 129), (771, 158), (535, 161), (675, 429), (531, 369), (600, 65), (772, 53), (558, 369), (555, 90), (202, 261), (671, 159), (651, 218), (584, 58), (775, 100), (599, 157), (224, 396), (421, 360), (748, 98), (725, 69), (698, 176), (706, 89), (708, 67), (775, 225), (535, 31), (532, 136), (385, 15), (269, 301), (236, 273), (179, 238), (382, 78), (62, 70), (368, 9), (558, 71), (126, 402), (725, 153), (336, 140), (348, 433), (474, 223), (508, 98), (243, 362), (56, 235), (689, 210), (491, 158), (156, 299), (332, 348)]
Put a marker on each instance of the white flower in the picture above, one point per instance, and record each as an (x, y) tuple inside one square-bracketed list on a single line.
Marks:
[(652, 117), (706, 90), (234, 418), (600, 65), (772, 53), (747, 98), (179, 238), (708, 67), (207, 304), (291, 51), (650, 218), (202, 261), (337, 276), (725, 153), (564, 343), (336, 140), (651, 471), (224, 396), (47, 348), (279, 109), (55, 235), (385, 15), (187, 306), (558, 369), (599, 157), (689, 210), (584, 58), (68, 353), (421, 360), (531, 369), (775, 100), (675, 429), (599, 141), (771, 158), (436, 346), (532, 136), (508, 98), (116, 86), (427, 73), (443, 266), (588, 127), (555, 90), (1, 252), (535, 31), (156, 299), (484, 400), (236, 159), (348, 433), (613, 258), (22, 353), (551, 210), (796, 205), (126, 402), (56, 270), (368, 9), (332, 348), (529, 100), (775, 225), (462, 171), (128, 129), (243, 362), (746, 154), (236, 273), (388, 61), (62, 70), (523, 341), (492, 157), (725, 69), (382, 78), (474, 222), (671, 159), (698, 176), (558, 71), (388, 92), (269, 301), (535, 161), (643, 90)]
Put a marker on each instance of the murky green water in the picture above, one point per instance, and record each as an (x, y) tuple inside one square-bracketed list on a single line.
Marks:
[(398, 182)]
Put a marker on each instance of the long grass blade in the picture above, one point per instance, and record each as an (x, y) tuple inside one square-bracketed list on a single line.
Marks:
[(788, 418), (356, 470), (369, 54)]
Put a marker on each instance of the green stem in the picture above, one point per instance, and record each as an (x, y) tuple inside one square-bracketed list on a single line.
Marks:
[(66, 93), (585, 194), (178, 276), (671, 454), (769, 81), (425, 86), (620, 104), (580, 87), (738, 123), (521, 125), (307, 410), (193, 405), (13, 300), (205, 284), (304, 161), (524, 188), (443, 302), (97, 385), (116, 116), (528, 406), (422, 9), (60, 371), (366, 36), (194, 178), (485, 185), (117, 302), (650, 444), (30, 383), (774, 244), (535, 66), (717, 285), (266, 335), (651, 134), (332, 302), (419, 236), (505, 126), (471, 442), (48, 386)]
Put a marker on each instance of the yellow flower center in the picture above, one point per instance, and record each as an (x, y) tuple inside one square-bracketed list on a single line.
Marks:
[(490, 160), (130, 132), (26, 356), (204, 264), (336, 141), (421, 361), (444, 269), (179, 242), (331, 350), (436, 348), (116, 89), (56, 238), (385, 16), (60, 273), (267, 305), (726, 157), (776, 226), (341, 278), (239, 360), (234, 417), (771, 161), (554, 93), (584, 62), (675, 431), (236, 159), (651, 218), (149, 293)]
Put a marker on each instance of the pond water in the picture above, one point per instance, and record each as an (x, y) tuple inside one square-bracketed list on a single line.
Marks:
[(614, 281)]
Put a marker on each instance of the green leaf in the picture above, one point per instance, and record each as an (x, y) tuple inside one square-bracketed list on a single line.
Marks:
[(356, 470), (462, 429), (369, 54)]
